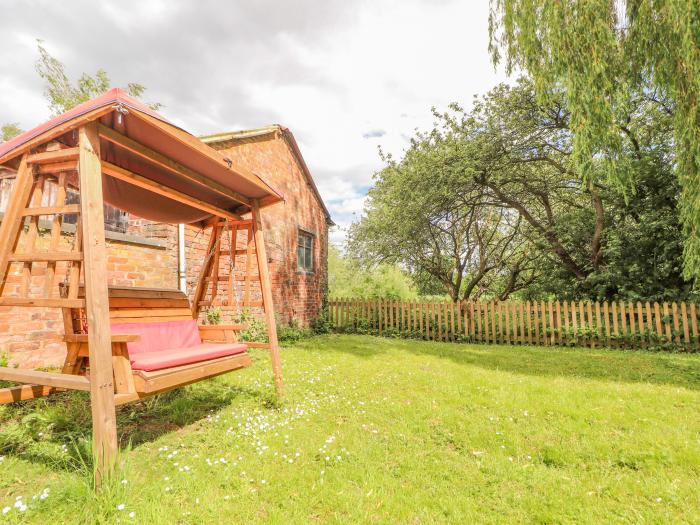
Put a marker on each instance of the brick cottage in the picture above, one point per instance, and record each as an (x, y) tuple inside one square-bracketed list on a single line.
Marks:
[(142, 253)]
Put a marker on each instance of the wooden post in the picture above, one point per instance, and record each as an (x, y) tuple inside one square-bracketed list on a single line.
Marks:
[(11, 226), (266, 288), (104, 423)]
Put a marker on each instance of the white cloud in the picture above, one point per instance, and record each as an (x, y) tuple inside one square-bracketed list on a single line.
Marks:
[(345, 77)]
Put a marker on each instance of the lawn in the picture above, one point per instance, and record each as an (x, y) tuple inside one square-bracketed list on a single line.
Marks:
[(378, 430)]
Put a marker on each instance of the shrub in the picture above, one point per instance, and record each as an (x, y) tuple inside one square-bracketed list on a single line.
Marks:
[(322, 324), (292, 333), (213, 316), (255, 331)]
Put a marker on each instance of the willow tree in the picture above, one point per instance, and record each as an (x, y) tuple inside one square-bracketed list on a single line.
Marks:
[(603, 53)]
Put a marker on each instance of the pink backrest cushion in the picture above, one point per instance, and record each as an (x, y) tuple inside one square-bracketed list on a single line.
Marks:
[(156, 337)]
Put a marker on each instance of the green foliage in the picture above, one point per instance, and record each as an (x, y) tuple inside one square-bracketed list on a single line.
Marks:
[(9, 130), (510, 160), (604, 54), (213, 315), (322, 324), (63, 95), (256, 329), (292, 332), (348, 278)]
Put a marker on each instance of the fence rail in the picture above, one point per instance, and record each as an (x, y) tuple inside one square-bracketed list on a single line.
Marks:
[(594, 324)]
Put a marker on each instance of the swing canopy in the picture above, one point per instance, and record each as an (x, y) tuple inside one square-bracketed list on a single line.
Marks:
[(137, 140)]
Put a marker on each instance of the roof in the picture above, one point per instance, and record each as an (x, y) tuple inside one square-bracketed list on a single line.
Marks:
[(127, 129), (272, 129)]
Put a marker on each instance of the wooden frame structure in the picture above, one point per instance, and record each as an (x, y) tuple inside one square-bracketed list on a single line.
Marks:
[(117, 140)]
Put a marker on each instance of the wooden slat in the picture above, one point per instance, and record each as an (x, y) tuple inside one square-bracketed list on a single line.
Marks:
[(30, 238), (163, 380), (51, 210), (50, 157), (598, 322), (553, 334), (606, 317), (676, 323), (46, 256), (233, 251), (657, 320), (560, 335), (591, 324), (69, 381), (567, 337), (126, 302), (41, 302), (633, 324), (57, 167), (169, 164), (649, 323), (694, 323), (23, 393), (494, 326), (667, 322), (528, 313), (684, 317), (615, 327), (582, 323), (56, 224), (115, 338)]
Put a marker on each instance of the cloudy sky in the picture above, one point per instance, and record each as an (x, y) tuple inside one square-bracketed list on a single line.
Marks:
[(344, 76)]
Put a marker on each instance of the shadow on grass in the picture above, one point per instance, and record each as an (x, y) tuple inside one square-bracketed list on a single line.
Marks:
[(56, 430), (629, 366)]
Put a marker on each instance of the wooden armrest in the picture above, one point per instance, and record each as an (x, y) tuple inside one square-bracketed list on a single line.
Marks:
[(116, 338), (215, 327)]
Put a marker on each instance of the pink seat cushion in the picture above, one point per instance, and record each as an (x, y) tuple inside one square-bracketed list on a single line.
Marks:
[(156, 337), (171, 343), (149, 361)]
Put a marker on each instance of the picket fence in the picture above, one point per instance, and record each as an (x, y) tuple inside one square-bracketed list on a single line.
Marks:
[(594, 324)]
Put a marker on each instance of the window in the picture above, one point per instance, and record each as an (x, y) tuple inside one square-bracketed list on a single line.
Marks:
[(116, 220), (305, 251)]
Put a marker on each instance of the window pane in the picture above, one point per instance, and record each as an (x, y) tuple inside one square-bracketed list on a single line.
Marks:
[(309, 259), (300, 256)]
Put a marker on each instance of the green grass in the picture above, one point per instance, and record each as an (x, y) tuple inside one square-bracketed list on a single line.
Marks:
[(383, 431)]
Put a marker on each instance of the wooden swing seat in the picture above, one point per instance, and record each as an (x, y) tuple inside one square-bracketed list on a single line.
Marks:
[(156, 343)]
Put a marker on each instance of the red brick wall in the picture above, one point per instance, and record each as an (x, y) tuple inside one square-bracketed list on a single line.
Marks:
[(297, 295)]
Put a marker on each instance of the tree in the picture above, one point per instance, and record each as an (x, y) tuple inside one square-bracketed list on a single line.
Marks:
[(603, 54), (584, 226), (9, 130), (424, 214), (491, 202), (347, 278), (62, 95)]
